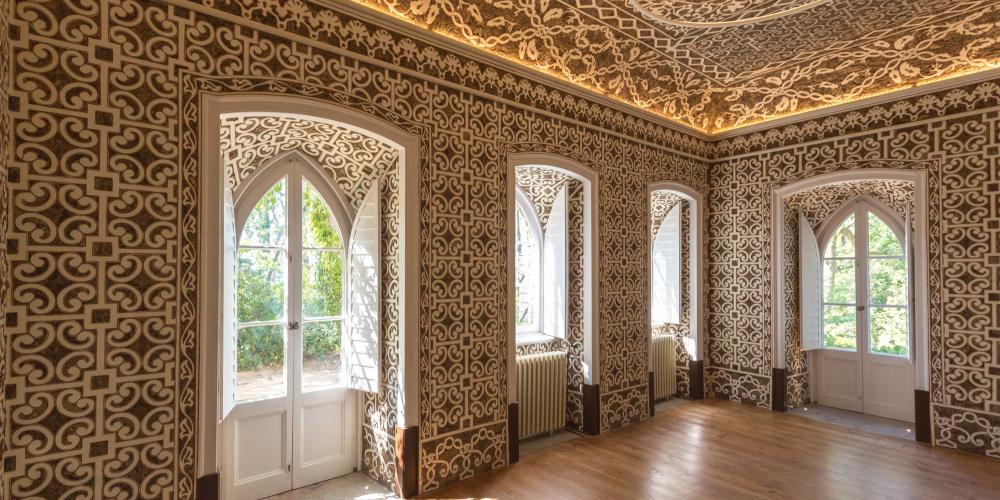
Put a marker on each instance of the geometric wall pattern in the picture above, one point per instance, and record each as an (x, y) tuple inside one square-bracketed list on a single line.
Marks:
[(101, 341), (101, 313), (950, 134), (722, 70), (818, 204)]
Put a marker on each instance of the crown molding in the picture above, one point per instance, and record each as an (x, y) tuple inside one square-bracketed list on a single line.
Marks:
[(897, 95)]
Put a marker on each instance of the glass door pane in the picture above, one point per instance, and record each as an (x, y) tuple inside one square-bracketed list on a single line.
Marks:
[(839, 289), (887, 291), (322, 293), (261, 302)]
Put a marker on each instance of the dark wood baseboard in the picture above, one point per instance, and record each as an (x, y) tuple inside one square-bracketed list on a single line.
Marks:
[(513, 435), (592, 409), (779, 386), (922, 416), (407, 464), (652, 391), (696, 379), (207, 487)]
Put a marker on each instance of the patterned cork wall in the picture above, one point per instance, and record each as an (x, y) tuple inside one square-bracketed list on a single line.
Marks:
[(817, 205), (104, 216), (5, 152), (953, 136), (660, 203)]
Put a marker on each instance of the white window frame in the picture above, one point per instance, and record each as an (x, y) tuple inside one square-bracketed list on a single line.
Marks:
[(533, 332), (293, 168), (857, 206)]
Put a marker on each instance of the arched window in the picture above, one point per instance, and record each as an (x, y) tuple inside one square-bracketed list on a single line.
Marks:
[(666, 269), (528, 268), (290, 278), (865, 290)]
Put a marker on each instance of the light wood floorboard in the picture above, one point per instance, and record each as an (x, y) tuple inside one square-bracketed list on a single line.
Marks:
[(720, 449)]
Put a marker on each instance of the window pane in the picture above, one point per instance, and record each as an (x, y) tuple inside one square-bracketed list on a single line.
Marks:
[(261, 285), (321, 355), (889, 331), (842, 242), (322, 283), (881, 239), (838, 281), (318, 225), (666, 263), (887, 281), (526, 264), (840, 327), (260, 363), (267, 224)]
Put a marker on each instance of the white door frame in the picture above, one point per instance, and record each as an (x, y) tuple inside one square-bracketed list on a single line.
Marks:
[(921, 345), (212, 185), (696, 238)]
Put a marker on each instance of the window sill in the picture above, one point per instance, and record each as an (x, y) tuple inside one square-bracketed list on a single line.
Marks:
[(534, 338)]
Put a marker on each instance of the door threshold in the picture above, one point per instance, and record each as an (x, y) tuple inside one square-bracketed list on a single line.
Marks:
[(856, 420)]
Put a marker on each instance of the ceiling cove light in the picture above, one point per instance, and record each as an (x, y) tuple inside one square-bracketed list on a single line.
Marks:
[(720, 13)]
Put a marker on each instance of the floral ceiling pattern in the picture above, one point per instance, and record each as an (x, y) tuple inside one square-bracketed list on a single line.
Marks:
[(722, 64)]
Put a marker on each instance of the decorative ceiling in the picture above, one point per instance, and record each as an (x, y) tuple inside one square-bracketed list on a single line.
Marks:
[(715, 65)]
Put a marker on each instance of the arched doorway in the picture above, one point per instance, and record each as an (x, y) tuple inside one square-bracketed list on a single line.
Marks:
[(293, 420), (391, 409), (865, 362)]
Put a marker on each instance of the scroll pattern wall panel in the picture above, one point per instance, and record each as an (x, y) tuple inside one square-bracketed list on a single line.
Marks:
[(378, 427), (352, 161), (661, 202), (5, 154), (104, 225), (817, 205), (961, 154), (738, 361)]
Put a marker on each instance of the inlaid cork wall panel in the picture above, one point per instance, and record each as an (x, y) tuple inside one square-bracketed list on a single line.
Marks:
[(5, 153), (103, 319)]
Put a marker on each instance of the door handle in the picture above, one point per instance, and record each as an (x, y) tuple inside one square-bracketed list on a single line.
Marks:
[(861, 308), (293, 325)]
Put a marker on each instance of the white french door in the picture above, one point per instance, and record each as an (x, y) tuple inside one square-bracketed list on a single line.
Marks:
[(294, 422), (866, 363)]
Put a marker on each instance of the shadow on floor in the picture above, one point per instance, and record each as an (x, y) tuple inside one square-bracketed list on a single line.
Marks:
[(354, 486), (854, 420)]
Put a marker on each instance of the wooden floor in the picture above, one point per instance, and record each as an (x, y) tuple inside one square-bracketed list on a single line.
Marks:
[(718, 449)]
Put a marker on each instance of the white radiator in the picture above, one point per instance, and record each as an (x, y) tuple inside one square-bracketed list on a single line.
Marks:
[(664, 366), (541, 390)]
